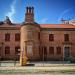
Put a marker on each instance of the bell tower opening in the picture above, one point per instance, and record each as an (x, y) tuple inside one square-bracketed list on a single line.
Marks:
[(29, 16)]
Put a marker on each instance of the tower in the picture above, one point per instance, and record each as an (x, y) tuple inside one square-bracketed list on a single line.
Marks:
[(30, 41), (29, 16)]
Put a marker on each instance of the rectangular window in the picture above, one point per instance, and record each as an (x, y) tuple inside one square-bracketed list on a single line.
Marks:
[(0, 51), (51, 37), (7, 50), (17, 50), (7, 37), (58, 50), (51, 50), (39, 35), (45, 50), (17, 37), (39, 49), (66, 37)]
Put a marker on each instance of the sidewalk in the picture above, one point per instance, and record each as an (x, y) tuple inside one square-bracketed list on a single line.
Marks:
[(38, 67), (43, 68)]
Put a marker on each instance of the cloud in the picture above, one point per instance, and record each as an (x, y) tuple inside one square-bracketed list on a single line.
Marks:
[(12, 11), (44, 20), (63, 13)]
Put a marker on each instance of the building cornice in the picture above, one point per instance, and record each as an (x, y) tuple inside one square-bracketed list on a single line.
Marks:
[(32, 24), (57, 29), (9, 28)]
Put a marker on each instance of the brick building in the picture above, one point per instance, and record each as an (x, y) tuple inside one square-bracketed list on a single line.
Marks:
[(37, 41)]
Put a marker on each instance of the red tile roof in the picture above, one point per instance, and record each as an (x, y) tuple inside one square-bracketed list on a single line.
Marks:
[(57, 26)]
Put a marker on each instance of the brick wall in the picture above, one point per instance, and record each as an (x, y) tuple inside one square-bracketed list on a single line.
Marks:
[(58, 41), (12, 43)]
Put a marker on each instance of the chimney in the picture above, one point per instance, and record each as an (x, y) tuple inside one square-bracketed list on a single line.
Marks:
[(29, 16)]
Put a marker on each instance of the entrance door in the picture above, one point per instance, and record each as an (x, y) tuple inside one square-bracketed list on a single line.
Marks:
[(66, 53), (43, 53)]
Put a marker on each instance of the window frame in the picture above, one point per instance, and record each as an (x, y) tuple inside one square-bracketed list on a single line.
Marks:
[(17, 36), (58, 51), (16, 50), (51, 51), (51, 37), (7, 51), (66, 37), (7, 37), (45, 50)]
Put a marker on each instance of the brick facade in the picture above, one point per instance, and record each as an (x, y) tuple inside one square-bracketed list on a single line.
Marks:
[(37, 41), (11, 30)]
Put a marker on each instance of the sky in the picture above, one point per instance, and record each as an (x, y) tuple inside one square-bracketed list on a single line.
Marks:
[(46, 11)]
